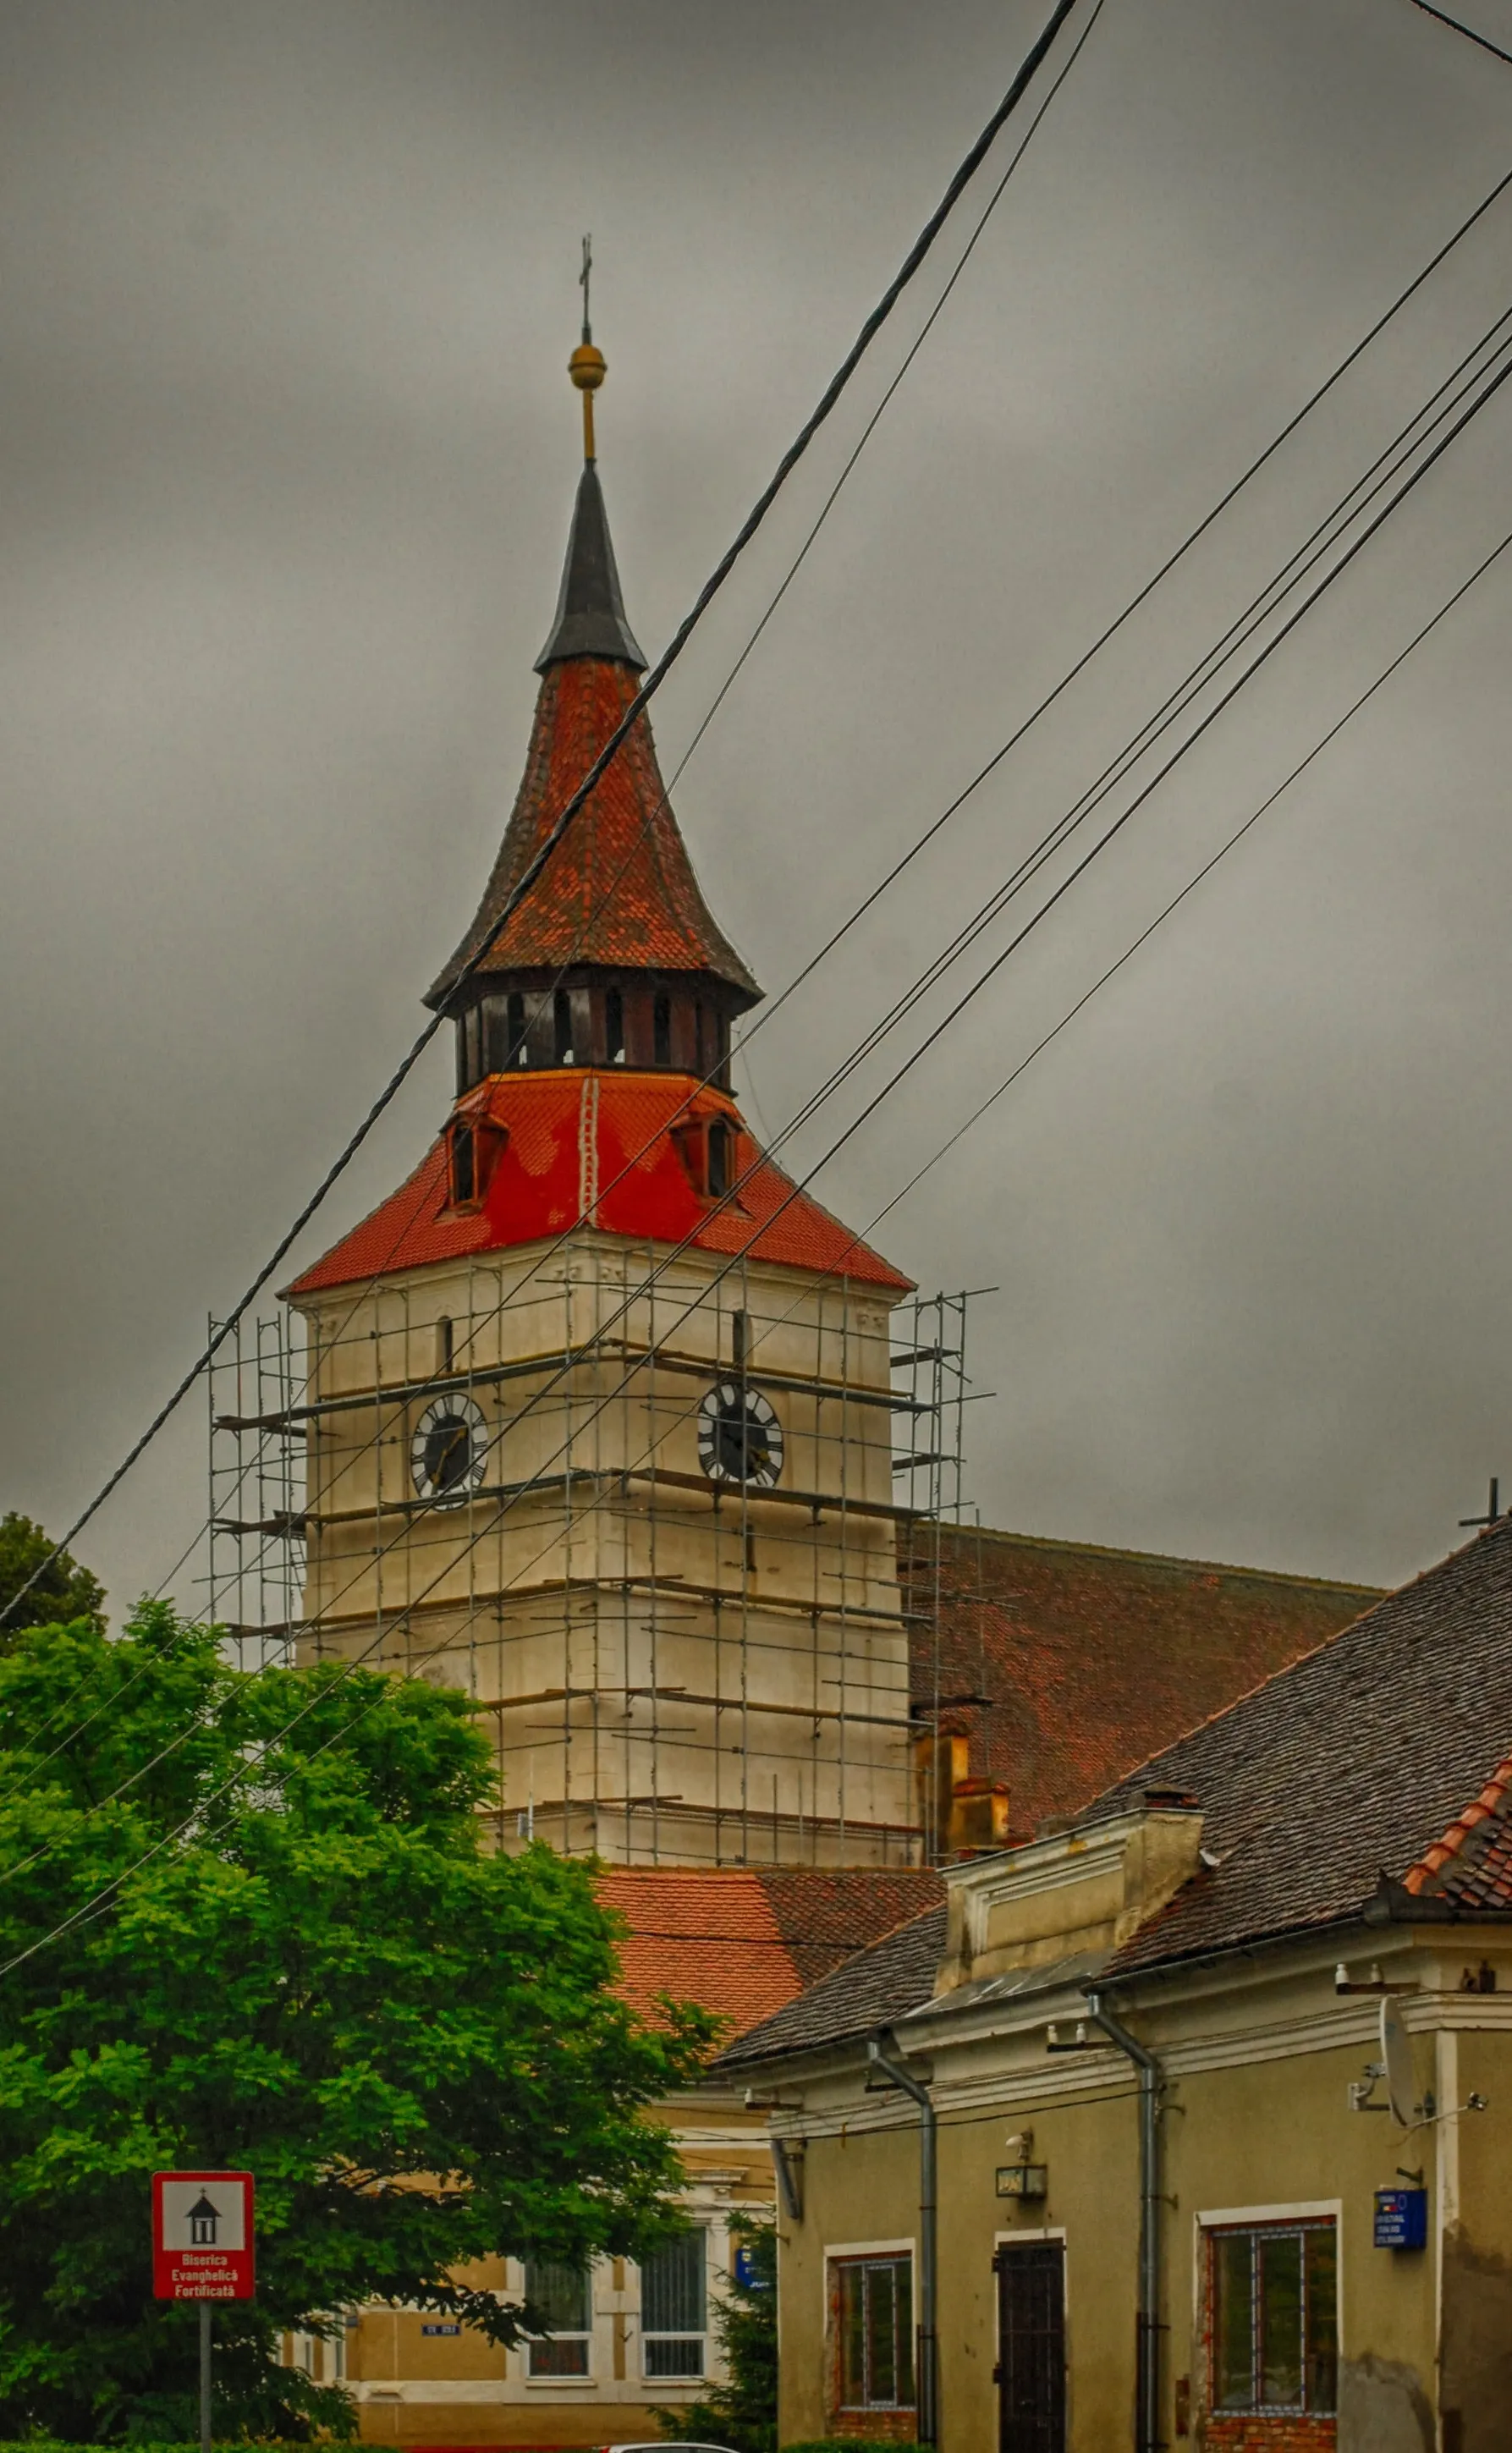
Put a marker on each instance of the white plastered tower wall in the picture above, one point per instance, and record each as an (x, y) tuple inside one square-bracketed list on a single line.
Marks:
[(678, 1670)]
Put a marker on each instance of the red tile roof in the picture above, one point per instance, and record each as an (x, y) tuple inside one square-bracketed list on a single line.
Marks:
[(595, 1149), (742, 1941), (1091, 1659), (1472, 1861), (620, 888)]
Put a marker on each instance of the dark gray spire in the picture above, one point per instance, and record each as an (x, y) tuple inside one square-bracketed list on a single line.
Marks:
[(589, 611)]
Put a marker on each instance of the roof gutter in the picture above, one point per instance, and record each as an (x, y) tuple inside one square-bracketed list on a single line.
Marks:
[(928, 2357), (1151, 2080)]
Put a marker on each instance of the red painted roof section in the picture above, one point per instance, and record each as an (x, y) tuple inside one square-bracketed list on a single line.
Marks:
[(596, 1148), (620, 888), (742, 1941), (1091, 1660)]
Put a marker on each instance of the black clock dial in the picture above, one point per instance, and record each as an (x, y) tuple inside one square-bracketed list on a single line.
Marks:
[(449, 1451), (740, 1438)]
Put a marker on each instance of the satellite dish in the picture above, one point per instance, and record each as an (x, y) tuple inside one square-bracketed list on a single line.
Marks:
[(1396, 2051)]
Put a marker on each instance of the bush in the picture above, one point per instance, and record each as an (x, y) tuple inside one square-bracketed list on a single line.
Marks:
[(841, 2444)]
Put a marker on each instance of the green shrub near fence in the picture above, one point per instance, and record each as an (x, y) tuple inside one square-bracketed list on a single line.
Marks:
[(840, 2445)]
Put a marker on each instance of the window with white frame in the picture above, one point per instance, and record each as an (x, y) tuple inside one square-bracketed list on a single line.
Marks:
[(561, 2298), (1273, 2316), (674, 2307), (872, 2315)]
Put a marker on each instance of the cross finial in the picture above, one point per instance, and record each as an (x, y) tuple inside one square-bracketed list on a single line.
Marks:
[(585, 365), (1492, 1512)]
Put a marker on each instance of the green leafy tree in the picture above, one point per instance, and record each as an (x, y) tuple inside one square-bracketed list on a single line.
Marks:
[(63, 1592), (742, 2412), (265, 1932)]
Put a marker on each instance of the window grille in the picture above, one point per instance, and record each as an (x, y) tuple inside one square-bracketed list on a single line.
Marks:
[(559, 2295), (874, 2333), (1273, 2316), (674, 2307)]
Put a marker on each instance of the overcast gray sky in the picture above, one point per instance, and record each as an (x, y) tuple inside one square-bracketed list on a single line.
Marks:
[(285, 293)]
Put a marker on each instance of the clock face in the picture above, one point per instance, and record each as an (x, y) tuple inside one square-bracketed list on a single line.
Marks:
[(450, 1451), (740, 1438)]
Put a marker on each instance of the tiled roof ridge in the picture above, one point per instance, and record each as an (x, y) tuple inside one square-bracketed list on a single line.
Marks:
[(966, 1533), (1491, 1803)]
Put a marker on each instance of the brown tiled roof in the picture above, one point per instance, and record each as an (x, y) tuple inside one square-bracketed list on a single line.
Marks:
[(619, 889), (1091, 1659), (741, 1941), (1383, 1752), (894, 1976), (1375, 1773)]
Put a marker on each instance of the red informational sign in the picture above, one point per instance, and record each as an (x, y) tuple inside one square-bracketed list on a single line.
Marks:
[(202, 2234)]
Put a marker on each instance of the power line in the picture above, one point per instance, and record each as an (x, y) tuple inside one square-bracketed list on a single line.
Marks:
[(611, 888), (1201, 876), (1314, 399), (101, 1899), (1468, 31), (1057, 835), (1414, 478), (874, 322), (1192, 537)]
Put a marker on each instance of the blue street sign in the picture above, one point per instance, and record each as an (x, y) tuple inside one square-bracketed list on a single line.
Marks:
[(1402, 2218)]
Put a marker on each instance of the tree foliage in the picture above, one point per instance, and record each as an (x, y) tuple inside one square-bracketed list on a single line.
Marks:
[(742, 2412), (305, 1962), (63, 1590)]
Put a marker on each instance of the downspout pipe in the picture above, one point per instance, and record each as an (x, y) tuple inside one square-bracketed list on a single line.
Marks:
[(891, 2068), (1151, 2079)]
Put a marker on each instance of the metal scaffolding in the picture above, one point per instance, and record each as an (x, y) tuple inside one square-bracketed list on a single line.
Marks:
[(498, 1476)]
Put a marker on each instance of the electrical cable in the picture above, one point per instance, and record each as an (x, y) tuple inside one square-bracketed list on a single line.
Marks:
[(1201, 672), (988, 911), (873, 324), (1410, 484), (101, 1898), (1468, 31), (1306, 557), (607, 897), (1189, 542)]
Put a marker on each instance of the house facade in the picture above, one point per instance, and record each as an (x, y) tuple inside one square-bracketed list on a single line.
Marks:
[(1190, 2120)]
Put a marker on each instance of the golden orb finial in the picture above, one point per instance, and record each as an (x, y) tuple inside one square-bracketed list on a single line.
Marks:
[(587, 365)]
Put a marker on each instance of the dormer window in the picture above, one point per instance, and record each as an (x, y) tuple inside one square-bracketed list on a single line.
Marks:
[(708, 1151), (463, 1158), (474, 1150)]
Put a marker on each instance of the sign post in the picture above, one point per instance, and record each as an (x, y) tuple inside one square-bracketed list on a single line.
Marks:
[(202, 2249)]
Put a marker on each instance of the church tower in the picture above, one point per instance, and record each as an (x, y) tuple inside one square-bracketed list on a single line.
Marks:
[(599, 1410)]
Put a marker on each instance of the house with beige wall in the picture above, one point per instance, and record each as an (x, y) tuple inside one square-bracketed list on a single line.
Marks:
[(1190, 2119)]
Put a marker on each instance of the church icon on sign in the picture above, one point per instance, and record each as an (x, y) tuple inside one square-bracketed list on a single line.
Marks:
[(203, 2220)]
